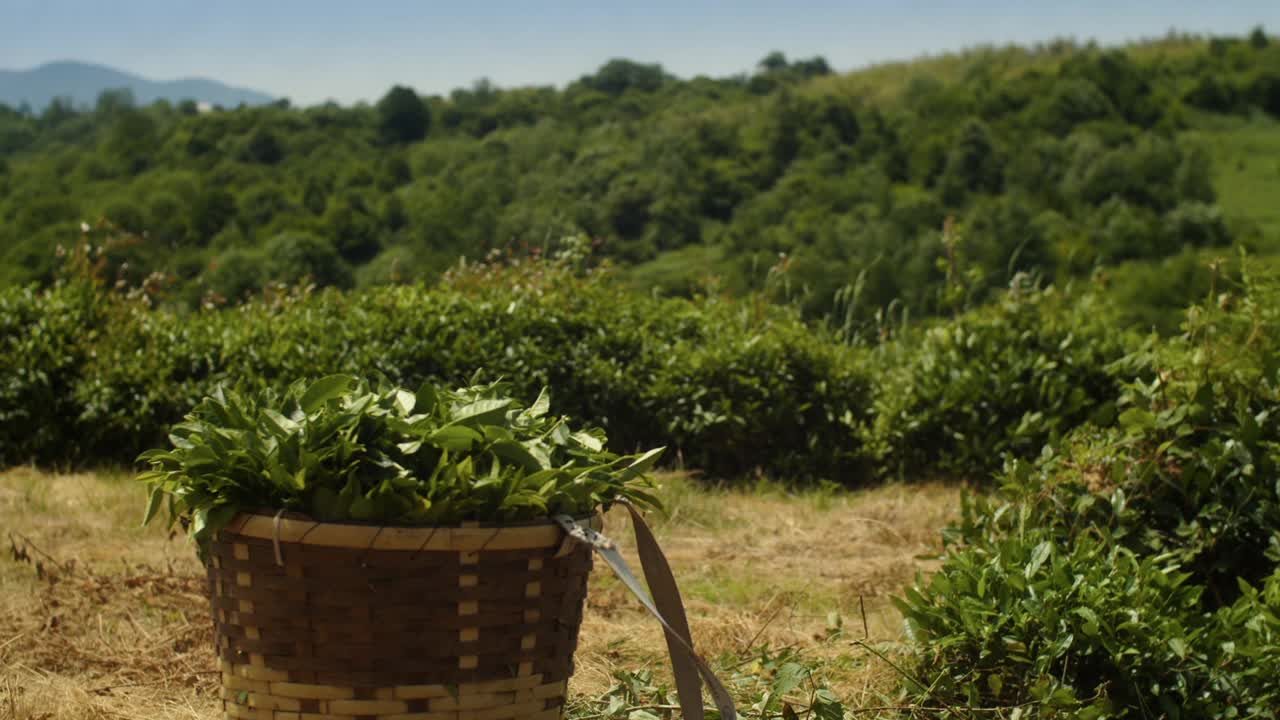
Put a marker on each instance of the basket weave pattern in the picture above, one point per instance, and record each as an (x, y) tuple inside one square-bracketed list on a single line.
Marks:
[(349, 622)]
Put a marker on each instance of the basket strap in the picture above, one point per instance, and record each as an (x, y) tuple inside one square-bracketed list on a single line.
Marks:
[(689, 669)]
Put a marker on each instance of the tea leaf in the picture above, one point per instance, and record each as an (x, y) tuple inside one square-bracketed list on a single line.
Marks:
[(324, 390), (470, 453)]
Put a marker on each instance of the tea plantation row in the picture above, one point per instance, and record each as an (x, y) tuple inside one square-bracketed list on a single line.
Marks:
[(88, 375)]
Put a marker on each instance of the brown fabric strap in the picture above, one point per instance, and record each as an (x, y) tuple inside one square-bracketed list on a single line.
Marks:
[(689, 669)]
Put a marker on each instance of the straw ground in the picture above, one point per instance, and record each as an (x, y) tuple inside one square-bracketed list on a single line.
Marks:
[(102, 619)]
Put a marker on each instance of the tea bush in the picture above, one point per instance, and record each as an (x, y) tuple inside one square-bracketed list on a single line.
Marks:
[(45, 338), (998, 381), (730, 388), (1068, 627), (1089, 629), (1134, 570)]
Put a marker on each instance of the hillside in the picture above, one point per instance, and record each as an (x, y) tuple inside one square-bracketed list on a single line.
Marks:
[(908, 190), (82, 83)]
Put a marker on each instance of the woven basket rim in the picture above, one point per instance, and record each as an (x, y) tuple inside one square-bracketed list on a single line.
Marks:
[(298, 528), (303, 517)]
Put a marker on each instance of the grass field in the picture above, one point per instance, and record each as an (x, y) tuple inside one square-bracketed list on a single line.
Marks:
[(1246, 171), (102, 619)]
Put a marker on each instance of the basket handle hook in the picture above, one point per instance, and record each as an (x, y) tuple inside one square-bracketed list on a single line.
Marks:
[(689, 668)]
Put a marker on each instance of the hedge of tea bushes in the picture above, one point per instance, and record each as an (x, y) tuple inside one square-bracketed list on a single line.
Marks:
[(88, 376), (731, 387)]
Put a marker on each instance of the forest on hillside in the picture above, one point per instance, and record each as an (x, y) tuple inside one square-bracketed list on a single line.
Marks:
[(908, 188)]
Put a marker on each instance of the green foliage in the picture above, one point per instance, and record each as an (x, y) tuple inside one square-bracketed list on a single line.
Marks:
[(731, 388), (402, 116), (1054, 160), (763, 681), (340, 450), (1155, 296), (1129, 571), (1020, 616), (1000, 381), (263, 147), (43, 353), (236, 274), (296, 257), (618, 76)]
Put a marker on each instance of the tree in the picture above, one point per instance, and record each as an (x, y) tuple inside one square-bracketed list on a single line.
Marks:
[(1212, 92), (837, 116), (112, 102), (263, 147), (973, 165), (126, 216), (815, 66), (1071, 102), (1265, 91), (773, 62), (618, 76), (60, 110), (394, 172), (402, 116), (131, 141), (293, 257), (166, 221), (1258, 38), (260, 204), (210, 211), (236, 274), (353, 228)]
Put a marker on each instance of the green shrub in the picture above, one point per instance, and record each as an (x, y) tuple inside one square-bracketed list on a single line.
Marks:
[(294, 257), (1134, 570), (999, 381), (45, 341), (729, 387), (1087, 627), (1244, 659)]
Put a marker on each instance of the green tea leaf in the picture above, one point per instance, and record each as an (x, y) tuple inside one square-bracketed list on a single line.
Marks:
[(1038, 557), (788, 678), (455, 438), (541, 406), (405, 401), (153, 503), (481, 412), (357, 455), (324, 390), (278, 423), (516, 452), (643, 463), (588, 441)]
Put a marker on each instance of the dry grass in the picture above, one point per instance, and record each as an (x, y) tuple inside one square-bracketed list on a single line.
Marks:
[(98, 618), (102, 619)]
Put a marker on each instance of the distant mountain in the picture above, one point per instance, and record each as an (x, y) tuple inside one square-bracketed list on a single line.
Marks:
[(82, 82)]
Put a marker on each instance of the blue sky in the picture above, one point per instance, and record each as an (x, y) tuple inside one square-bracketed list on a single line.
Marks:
[(352, 50)]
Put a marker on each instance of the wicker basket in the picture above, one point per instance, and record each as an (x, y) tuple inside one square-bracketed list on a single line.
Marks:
[(356, 622)]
